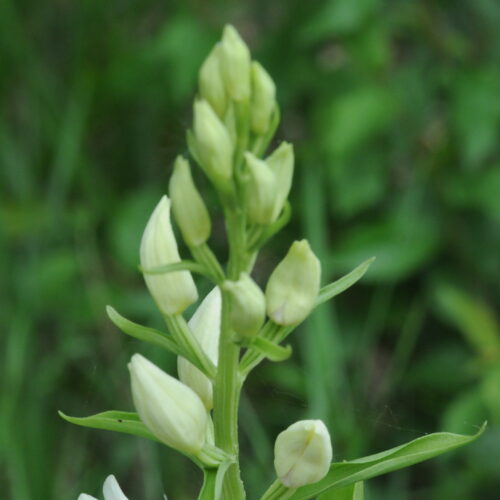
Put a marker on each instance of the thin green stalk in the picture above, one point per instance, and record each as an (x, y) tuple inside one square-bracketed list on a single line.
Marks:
[(278, 491)]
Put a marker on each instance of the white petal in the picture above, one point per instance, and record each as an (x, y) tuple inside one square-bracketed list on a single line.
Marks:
[(112, 490), (84, 496)]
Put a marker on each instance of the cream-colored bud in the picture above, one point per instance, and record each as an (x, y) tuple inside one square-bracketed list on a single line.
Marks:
[(261, 190), (111, 490), (303, 453), (172, 411), (172, 292), (188, 206), (294, 285), (281, 163), (263, 99), (213, 143), (210, 82), (205, 325), (235, 64), (248, 305)]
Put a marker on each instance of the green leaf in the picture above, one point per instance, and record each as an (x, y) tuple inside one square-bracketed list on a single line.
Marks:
[(270, 350), (118, 421), (354, 491), (183, 265), (329, 291), (345, 473), (144, 333)]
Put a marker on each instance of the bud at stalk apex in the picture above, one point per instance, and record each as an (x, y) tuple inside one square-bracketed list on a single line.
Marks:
[(303, 453), (294, 285), (213, 143), (248, 305), (210, 82), (172, 292), (235, 64), (171, 410), (189, 209), (205, 325)]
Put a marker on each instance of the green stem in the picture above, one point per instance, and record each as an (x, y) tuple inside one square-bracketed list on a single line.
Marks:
[(208, 261), (228, 381), (278, 491)]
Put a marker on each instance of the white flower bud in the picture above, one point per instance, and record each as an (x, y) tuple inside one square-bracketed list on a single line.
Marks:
[(188, 206), (111, 490), (281, 163), (303, 453), (172, 411), (205, 325), (210, 82), (213, 143), (263, 99), (260, 190), (294, 285), (172, 292), (248, 305), (235, 64)]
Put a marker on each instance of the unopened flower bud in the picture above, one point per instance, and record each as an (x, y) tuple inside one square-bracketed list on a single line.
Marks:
[(261, 190), (294, 285), (172, 292), (213, 143), (210, 82), (235, 64), (111, 490), (303, 453), (172, 411), (281, 162), (189, 209), (205, 325), (248, 305), (263, 99)]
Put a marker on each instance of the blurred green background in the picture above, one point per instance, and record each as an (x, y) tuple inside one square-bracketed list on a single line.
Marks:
[(394, 111)]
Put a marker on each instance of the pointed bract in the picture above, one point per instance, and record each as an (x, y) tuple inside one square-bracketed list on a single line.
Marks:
[(172, 411), (303, 453), (205, 325), (172, 292)]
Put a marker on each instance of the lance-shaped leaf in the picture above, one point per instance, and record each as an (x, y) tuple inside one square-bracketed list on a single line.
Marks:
[(269, 349), (329, 291), (345, 473), (351, 492), (118, 421), (144, 333)]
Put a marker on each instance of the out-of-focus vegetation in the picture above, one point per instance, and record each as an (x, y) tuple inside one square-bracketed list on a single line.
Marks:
[(394, 111)]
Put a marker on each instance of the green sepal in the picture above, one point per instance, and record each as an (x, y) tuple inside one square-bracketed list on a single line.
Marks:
[(269, 349), (345, 473), (329, 291), (118, 421), (144, 333), (352, 492)]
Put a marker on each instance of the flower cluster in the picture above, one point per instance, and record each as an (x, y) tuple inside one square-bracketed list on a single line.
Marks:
[(238, 323)]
